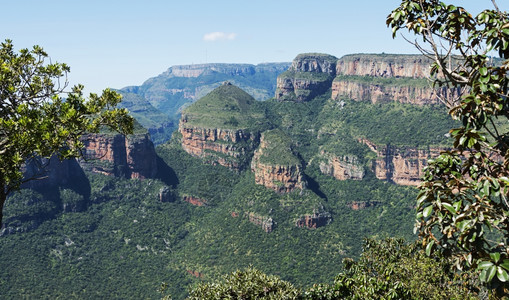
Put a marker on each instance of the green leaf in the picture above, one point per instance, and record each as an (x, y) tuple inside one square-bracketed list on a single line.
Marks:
[(449, 207), (484, 265), (502, 274), (427, 211), (495, 256), (491, 271), (505, 264), (486, 187), (483, 71), (429, 247)]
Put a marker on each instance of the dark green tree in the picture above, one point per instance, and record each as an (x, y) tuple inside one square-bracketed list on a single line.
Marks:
[(462, 207), (246, 284), (40, 118), (393, 269)]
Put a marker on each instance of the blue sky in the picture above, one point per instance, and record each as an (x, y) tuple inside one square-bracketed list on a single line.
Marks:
[(120, 43)]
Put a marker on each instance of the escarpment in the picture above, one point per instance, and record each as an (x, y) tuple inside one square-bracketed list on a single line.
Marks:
[(387, 77), (275, 165), (380, 92), (130, 156), (401, 165), (341, 167), (310, 74), (384, 65), (222, 127)]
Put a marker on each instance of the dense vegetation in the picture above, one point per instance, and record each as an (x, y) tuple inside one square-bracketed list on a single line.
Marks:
[(87, 234)]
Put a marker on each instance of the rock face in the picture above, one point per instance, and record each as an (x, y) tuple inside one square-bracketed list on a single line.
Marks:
[(266, 223), (386, 93), (116, 155), (195, 200), (222, 127), (358, 205), (273, 170), (315, 220), (401, 165), (309, 75), (342, 168), (384, 65), (387, 77), (217, 146)]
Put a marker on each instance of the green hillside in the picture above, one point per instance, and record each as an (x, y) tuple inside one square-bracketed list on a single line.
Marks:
[(125, 241), (225, 107)]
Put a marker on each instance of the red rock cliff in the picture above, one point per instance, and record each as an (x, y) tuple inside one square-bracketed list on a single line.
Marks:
[(342, 168), (401, 165), (384, 65), (116, 155), (282, 178), (217, 146), (309, 75), (385, 93)]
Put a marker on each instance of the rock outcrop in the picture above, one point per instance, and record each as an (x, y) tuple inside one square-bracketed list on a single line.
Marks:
[(384, 65), (275, 166), (342, 168), (266, 223), (314, 220), (387, 77), (310, 74), (358, 205), (376, 92), (117, 155), (222, 127), (226, 147), (401, 165), (195, 200)]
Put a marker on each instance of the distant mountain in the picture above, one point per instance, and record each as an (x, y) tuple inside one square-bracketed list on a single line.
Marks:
[(173, 90)]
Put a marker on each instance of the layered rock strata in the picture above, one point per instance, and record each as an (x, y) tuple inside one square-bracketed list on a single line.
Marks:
[(310, 74), (387, 77), (384, 65), (386, 93), (277, 173), (117, 155), (401, 165), (342, 168), (225, 147)]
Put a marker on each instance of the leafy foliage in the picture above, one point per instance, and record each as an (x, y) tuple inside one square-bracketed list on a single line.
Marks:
[(391, 269), (464, 193), (35, 121), (246, 284)]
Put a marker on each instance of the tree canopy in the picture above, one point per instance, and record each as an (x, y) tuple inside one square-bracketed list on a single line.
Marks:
[(40, 118), (462, 207)]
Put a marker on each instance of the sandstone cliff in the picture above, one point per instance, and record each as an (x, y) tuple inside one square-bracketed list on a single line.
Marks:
[(384, 65), (343, 167), (116, 155), (309, 75), (314, 220), (419, 95), (274, 164), (387, 77), (400, 165), (222, 127), (226, 147)]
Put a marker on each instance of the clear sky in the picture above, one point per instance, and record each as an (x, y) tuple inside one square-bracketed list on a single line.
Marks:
[(113, 43)]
